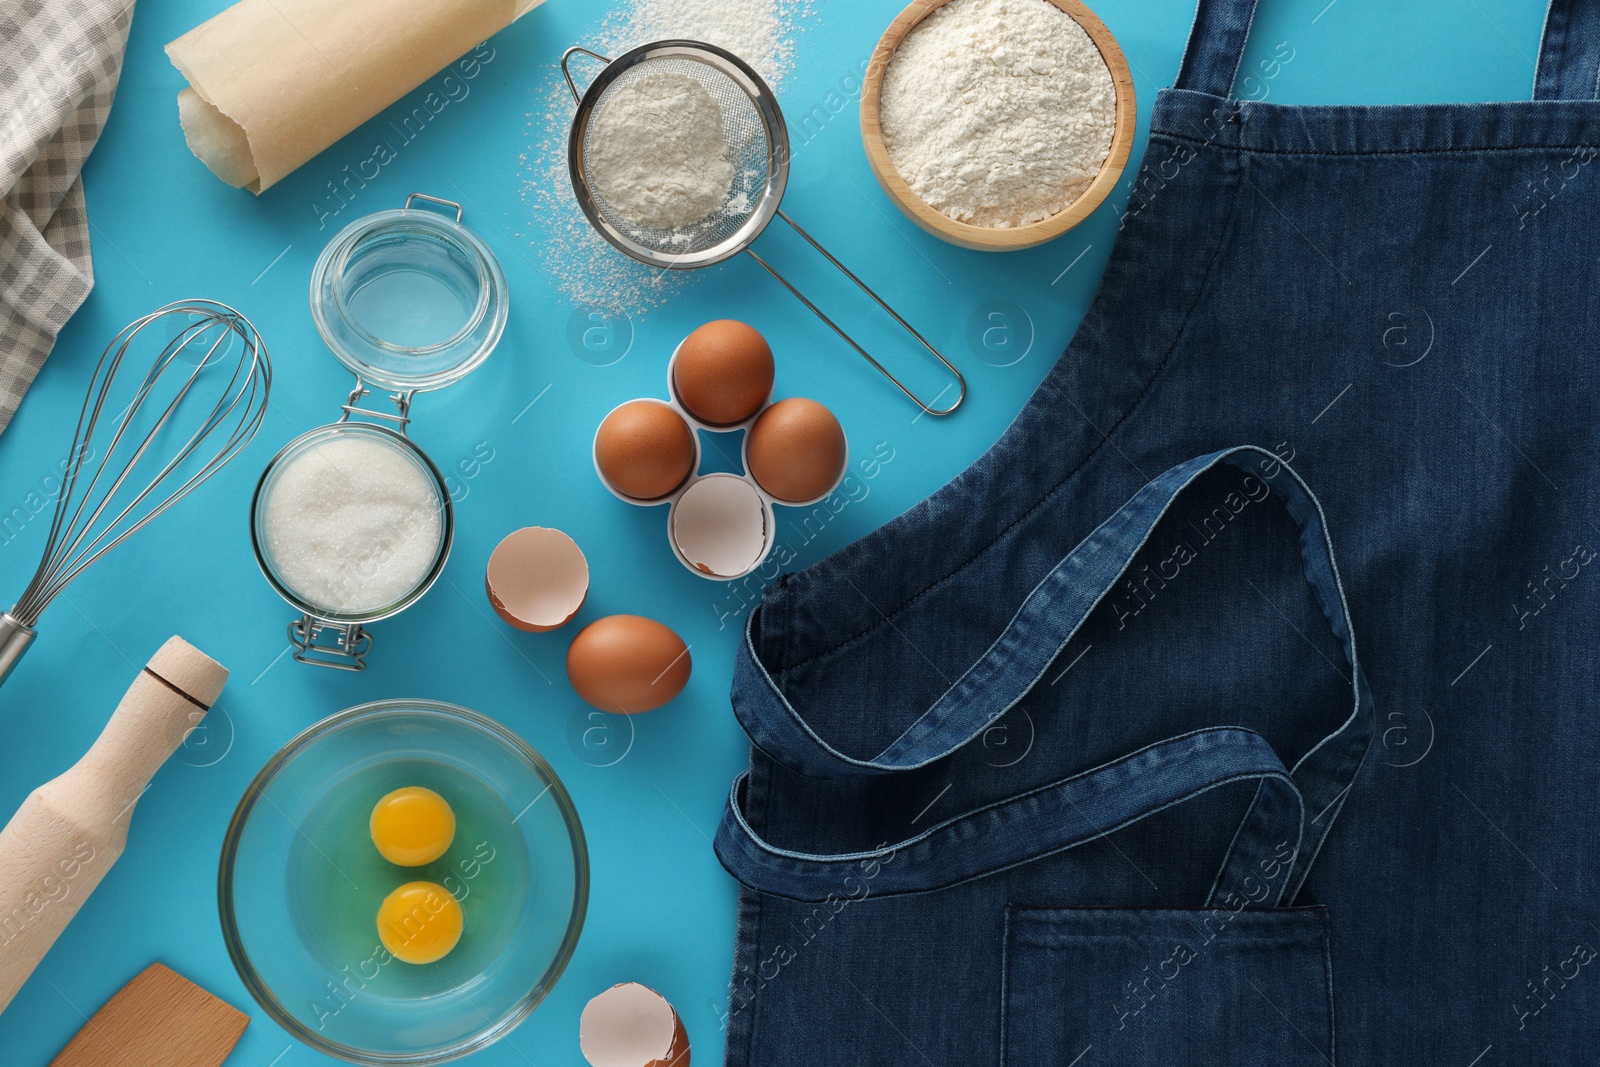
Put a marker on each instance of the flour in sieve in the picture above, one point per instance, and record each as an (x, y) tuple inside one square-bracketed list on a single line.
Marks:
[(584, 268), (656, 151), (998, 112)]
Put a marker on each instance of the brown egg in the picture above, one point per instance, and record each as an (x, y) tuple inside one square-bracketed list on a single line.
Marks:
[(644, 449), (796, 450), (723, 372), (626, 664)]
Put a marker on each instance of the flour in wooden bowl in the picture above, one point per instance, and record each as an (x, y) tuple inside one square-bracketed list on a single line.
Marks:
[(998, 112)]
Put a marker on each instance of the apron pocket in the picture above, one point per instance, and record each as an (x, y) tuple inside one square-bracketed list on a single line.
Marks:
[(1155, 987)]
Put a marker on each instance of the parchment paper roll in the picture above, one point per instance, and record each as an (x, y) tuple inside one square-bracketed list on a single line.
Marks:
[(274, 82)]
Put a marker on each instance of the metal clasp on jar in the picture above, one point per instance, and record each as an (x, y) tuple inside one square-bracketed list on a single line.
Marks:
[(341, 646)]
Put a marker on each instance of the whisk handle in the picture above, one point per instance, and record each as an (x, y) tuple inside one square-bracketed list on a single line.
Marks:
[(15, 637)]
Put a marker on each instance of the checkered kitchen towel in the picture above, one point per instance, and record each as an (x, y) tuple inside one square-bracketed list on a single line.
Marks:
[(59, 62)]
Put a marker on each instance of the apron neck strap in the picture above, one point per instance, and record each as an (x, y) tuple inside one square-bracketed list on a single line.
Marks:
[(1569, 57), (1216, 46)]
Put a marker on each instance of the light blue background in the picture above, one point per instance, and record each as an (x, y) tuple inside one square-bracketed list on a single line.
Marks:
[(661, 910)]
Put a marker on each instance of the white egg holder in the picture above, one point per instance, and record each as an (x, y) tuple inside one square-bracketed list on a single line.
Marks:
[(768, 537)]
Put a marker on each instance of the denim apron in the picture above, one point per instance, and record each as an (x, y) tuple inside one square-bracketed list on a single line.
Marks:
[(1076, 761)]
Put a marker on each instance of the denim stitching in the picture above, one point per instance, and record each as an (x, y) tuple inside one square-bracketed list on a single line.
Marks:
[(1313, 523), (761, 923), (1274, 937), (1005, 976), (1327, 978), (1547, 46)]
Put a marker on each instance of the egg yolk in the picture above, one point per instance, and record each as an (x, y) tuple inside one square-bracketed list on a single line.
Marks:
[(420, 922), (412, 826)]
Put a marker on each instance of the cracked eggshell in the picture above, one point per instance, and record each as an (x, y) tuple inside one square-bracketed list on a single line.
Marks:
[(631, 1025), (625, 664), (721, 527), (537, 579)]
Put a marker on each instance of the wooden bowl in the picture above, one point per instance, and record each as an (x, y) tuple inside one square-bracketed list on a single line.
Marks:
[(997, 238)]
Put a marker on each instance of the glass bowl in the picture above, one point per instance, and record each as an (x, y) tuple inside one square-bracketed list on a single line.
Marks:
[(300, 882)]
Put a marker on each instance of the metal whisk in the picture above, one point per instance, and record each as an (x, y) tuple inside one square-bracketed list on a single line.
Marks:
[(148, 434)]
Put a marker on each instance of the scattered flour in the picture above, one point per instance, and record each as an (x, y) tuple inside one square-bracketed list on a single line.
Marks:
[(998, 112), (352, 525), (656, 151), (586, 269), (757, 31)]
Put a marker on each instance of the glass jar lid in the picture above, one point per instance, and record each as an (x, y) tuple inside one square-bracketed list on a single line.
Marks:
[(408, 298)]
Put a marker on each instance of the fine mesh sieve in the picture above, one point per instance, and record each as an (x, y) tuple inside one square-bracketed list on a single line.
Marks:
[(755, 142), (752, 135)]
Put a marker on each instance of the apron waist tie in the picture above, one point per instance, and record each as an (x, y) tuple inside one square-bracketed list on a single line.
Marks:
[(1096, 802), (1050, 819)]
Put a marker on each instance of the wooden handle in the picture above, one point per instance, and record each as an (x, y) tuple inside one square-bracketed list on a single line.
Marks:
[(69, 831), (160, 1019)]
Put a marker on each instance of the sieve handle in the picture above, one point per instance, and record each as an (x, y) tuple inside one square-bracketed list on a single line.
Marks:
[(566, 69), (928, 408)]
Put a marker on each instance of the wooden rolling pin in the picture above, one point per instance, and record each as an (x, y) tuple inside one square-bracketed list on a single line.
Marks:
[(69, 831)]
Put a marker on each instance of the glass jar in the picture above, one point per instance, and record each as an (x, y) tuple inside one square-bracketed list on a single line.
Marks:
[(409, 299), (376, 580)]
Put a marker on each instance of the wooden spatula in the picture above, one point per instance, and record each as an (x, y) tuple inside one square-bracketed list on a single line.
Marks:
[(160, 1019)]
